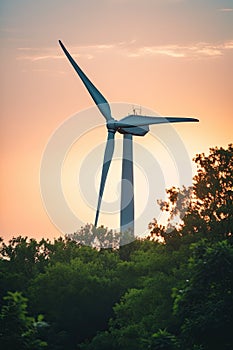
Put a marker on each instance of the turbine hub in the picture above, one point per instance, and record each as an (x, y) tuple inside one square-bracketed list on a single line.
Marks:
[(111, 125)]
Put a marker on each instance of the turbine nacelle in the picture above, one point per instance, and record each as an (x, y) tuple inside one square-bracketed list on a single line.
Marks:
[(135, 130), (115, 125)]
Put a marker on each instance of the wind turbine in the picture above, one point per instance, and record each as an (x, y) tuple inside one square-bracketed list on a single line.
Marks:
[(129, 126)]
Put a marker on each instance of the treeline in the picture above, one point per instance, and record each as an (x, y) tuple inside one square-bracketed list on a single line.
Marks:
[(175, 293)]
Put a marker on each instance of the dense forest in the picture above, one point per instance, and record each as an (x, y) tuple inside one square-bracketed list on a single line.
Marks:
[(172, 290)]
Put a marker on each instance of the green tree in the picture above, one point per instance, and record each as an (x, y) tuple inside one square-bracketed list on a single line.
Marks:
[(204, 301), (77, 297), (17, 329), (147, 304), (20, 261), (162, 340)]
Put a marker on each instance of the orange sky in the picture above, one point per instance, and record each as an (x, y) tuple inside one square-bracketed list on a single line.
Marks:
[(171, 56)]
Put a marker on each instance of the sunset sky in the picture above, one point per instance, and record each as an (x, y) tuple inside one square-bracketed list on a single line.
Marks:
[(171, 56)]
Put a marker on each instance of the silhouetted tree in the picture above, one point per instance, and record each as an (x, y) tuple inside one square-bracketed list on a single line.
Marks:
[(206, 209)]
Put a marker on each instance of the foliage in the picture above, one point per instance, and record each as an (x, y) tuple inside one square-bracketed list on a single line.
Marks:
[(80, 293), (18, 330), (162, 340), (208, 288)]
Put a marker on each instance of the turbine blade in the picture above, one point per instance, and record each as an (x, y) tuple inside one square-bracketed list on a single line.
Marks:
[(98, 98), (127, 188), (139, 120), (106, 164)]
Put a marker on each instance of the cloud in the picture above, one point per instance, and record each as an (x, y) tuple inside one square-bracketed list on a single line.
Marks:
[(228, 45), (171, 51), (129, 49), (226, 9), (38, 54), (195, 51)]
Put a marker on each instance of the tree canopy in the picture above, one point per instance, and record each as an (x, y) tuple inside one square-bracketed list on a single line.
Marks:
[(172, 290)]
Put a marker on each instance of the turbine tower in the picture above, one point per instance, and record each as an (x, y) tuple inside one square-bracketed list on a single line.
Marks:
[(129, 126)]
